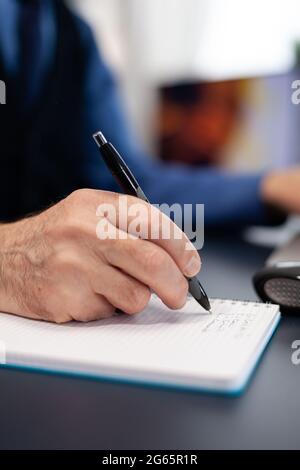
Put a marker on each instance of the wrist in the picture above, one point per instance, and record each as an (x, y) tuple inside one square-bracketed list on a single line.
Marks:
[(14, 270), (7, 262)]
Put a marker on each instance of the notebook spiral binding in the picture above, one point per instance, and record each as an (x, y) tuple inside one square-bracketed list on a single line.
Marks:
[(255, 303)]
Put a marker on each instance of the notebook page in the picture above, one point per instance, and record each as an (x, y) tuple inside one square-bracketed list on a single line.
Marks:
[(157, 342)]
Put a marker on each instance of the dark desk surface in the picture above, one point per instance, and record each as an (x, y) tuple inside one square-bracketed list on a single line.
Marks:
[(39, 411)]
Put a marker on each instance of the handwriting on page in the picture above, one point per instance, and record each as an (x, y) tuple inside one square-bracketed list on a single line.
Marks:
[(234, 318), (227, 316)]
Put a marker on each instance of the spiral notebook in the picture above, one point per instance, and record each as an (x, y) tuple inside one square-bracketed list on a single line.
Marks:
[(186, 348)]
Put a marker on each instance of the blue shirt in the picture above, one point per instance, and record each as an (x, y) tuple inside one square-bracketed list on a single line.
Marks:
[(228, 197)]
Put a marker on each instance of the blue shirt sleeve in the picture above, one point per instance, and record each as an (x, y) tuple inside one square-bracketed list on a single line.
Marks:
[(228, 197)]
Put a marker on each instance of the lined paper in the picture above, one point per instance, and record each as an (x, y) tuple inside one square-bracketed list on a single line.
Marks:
[(187, 347)]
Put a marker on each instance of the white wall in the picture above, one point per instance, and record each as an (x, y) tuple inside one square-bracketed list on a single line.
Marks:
[(148, 42)]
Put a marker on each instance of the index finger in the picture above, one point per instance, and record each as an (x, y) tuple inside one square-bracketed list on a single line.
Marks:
[(141, 219)]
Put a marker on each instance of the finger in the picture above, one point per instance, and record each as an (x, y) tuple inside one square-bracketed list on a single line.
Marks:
[(121, 290), (138, 218), (150, 265), (95, 307)]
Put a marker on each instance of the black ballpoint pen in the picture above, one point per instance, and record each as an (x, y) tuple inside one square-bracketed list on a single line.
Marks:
[(130, 186)]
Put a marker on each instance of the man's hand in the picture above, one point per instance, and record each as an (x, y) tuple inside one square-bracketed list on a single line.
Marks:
[(54, 267), (282, 189)]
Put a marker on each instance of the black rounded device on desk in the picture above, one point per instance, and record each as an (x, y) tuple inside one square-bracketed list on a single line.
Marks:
[(279, 281)]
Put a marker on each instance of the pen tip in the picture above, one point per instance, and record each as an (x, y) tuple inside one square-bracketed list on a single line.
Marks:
[(206, 304)]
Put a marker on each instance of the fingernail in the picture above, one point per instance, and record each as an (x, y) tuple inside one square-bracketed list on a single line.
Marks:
[(193, 266)]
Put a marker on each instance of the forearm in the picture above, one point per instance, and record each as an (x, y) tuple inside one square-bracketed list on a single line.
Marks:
[(16, 261), (8, 266)]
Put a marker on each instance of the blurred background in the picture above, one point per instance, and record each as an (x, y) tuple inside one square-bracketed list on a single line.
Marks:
[(207, 82)]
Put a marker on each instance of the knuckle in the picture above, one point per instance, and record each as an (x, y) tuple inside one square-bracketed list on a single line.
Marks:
[(61, 319), (72, 225), (68, 260), (78, 201), (136, 299), (154, 259), (54, 316), (80, 195), (84, 314), (81, 316)]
